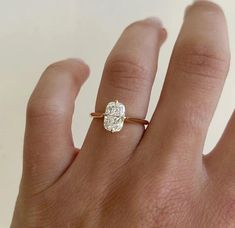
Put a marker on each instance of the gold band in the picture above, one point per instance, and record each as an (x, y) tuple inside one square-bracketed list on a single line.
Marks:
[(100, 115)]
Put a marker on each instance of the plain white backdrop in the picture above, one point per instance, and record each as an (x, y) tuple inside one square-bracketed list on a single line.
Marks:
[(36, 33)]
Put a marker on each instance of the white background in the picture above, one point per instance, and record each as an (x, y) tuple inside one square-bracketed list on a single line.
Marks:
[(35, 33)]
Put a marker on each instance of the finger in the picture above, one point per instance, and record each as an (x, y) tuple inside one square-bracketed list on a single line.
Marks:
[(193, 84), (48, 147), (221, 159), (128, 77)]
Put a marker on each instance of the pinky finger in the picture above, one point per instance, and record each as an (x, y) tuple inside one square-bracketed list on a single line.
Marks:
[(48, 147)]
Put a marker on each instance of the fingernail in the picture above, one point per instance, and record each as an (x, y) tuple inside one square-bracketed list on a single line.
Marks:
[(189, 6), (162, 32), (195, 1), (78, 59), (154, 19), (200, 1), (84, 67), (163, 35)]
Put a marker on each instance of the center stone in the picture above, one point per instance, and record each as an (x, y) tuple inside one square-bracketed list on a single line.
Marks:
[(114, 116)]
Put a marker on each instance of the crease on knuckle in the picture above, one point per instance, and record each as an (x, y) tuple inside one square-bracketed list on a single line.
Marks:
[(67, 69), (191, 119), (170, 205), (205, 62), (42, 108), (37, 208), (127, 75)]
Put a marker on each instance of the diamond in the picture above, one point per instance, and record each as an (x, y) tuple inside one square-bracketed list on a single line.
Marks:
[(114, 116)]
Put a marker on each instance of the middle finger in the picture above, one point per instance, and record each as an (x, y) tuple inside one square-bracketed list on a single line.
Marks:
[(194, 81)]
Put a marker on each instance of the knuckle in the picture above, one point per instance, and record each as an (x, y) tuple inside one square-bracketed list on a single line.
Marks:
[(223, 209), (41, 209), (73, 68), (171, 202), (202, 60), (191, 119), (39, 108), (127, 74), (227, 214), (227, 203)]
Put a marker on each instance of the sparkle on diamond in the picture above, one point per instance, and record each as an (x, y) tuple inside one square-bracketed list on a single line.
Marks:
[(114, 116)]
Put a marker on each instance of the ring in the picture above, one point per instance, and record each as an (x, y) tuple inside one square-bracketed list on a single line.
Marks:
[(114, 117)]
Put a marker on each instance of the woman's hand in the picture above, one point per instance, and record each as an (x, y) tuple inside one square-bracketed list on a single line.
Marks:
[(134, 178)]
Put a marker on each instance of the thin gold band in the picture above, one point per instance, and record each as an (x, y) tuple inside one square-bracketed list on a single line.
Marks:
[(98, 115)]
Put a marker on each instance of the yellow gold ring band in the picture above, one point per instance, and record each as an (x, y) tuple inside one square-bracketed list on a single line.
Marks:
[(114, 117)]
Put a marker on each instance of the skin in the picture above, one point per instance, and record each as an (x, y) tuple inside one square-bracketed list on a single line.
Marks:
[(156, 177)]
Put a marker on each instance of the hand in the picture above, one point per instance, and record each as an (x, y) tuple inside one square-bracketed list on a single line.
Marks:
[(156, 177)]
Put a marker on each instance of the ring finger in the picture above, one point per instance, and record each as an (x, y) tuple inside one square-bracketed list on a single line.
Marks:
[(128, 77)]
